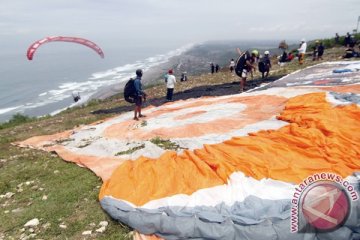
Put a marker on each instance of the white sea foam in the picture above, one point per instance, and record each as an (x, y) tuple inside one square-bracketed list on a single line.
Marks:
[(9, 109), (125, 71)]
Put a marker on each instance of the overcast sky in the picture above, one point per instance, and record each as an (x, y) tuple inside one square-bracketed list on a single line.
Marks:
[(111, 22)]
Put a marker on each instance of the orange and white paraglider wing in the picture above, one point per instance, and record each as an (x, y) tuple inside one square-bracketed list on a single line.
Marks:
[(33, 47)]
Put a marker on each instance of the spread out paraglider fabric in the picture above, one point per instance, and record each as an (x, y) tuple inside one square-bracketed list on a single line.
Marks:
[(33, 47), (233, 162)]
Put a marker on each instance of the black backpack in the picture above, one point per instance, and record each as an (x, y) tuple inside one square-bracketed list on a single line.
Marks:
[(240, 64), (262, 66), (130, 91)]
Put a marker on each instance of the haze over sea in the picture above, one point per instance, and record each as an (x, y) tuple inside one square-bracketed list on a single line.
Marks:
[(45, 85)]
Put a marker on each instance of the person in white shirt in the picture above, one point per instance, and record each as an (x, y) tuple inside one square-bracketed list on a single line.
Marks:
[(170, 84), (232, 65), (302, 51)]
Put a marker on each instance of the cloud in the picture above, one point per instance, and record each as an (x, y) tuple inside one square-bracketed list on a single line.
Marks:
[(176, 20)]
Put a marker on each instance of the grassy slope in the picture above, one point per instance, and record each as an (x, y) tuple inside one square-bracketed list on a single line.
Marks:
[(73, 191)]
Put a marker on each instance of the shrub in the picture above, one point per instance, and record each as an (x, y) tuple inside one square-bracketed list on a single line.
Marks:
[(16, 119)]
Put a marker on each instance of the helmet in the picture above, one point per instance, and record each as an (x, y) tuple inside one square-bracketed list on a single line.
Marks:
[(139, 73), (170, 71), (303, 39), (255, 52), (266, 52)]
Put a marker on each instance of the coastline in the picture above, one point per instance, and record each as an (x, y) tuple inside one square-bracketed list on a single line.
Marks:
[(191, 58), (53, 97), (151, 76), (194, 61)]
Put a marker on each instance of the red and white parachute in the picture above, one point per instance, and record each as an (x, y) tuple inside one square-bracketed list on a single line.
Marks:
[(33, 47)]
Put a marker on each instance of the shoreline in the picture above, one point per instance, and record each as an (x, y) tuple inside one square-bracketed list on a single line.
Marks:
[(153, 66), (192, 58), (151, 76)]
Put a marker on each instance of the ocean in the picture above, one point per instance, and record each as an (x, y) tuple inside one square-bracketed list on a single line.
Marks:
[(58, 70)]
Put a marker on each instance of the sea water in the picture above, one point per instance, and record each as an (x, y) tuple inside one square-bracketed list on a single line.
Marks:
[(46, 84)]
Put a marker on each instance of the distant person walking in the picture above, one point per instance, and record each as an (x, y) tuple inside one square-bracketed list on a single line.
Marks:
[(337, 38), (217, 67), (347, 40), (212, 68), (170, 85), (232, 65), (139, 95), (320, 51), (302, 51)]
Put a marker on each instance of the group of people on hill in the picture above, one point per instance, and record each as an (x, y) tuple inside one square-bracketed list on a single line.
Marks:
[(214, 68), (300, 53), (244, 67), (350, 47), (285, 57), (318, 50)]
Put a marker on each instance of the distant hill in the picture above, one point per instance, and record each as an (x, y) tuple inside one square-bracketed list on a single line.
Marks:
[(197, 60)]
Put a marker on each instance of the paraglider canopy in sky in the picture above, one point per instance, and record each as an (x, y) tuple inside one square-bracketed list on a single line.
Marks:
[(33, 47)]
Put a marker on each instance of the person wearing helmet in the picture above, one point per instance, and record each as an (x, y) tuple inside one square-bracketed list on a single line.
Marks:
[(265, 65), (302, 51), (253, 59), (139, 95), (243, 66), (315, 50)]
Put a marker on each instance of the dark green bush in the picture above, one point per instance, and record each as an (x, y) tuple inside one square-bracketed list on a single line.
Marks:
[(16, 119)]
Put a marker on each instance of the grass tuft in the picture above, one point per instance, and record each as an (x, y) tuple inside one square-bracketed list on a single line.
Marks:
[(165, 144), (131, 150)]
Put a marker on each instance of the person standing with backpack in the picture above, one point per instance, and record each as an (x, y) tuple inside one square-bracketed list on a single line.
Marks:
[(139, 95), (265, 65), (170, 84), (243, 63)]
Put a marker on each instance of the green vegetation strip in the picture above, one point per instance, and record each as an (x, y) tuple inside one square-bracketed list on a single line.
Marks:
[(131, 150), (165, 144)]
